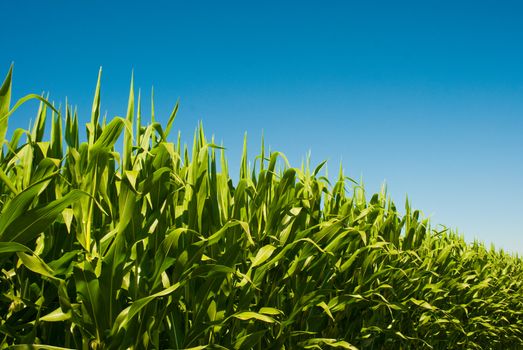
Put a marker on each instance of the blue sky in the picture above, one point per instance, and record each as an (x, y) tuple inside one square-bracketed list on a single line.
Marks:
[(425, 95)]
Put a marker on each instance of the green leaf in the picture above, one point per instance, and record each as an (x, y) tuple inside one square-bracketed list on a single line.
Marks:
[(109, 135), (263, 254), (13, 247), (250, 315), (270, 311), (5, 100), (95, 111), (56, 316), (35, 264), (130, 312), (170, 121), (37, 347), (29, 225), (19, 205), (321, 343), (92, 297)]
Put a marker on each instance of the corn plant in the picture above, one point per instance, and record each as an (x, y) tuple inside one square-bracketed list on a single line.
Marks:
[(149, 244)]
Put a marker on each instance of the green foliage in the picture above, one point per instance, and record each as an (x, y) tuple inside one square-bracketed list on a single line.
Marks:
[(156, 248)]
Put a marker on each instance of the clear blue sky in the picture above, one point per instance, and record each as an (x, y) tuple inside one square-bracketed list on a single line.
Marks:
[(425, 95)]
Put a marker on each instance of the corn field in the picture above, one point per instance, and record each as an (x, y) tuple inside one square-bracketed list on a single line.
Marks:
[(151, 245)]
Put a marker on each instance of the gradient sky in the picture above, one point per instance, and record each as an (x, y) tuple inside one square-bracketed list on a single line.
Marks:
[(425, 95)]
